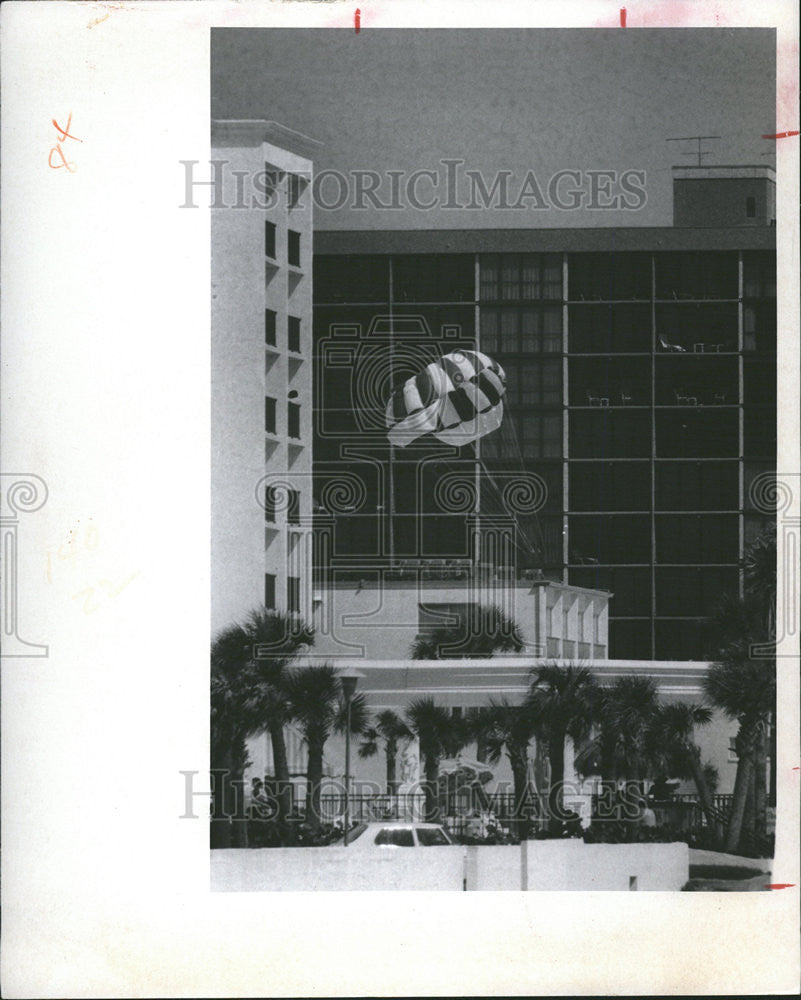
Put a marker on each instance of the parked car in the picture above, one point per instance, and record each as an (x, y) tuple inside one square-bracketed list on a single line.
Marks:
[(391, 835)]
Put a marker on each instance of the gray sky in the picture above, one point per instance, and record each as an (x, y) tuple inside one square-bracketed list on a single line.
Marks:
[(519, 100)]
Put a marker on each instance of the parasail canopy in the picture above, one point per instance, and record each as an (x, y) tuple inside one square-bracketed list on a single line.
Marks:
[(456, 399)]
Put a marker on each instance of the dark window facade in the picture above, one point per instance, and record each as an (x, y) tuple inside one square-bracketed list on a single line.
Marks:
[(640, 388)]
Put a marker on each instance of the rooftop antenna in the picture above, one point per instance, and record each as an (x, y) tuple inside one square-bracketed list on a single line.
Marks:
[(694, 138)]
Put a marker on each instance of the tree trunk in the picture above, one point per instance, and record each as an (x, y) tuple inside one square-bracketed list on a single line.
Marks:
[(283, 786), (521, 821), (704, 795), (772, 759), (556, 753), (280, 765), (432, 775), (740, 796), (392, 784), (314, 778), (747, 829), (760, 784)]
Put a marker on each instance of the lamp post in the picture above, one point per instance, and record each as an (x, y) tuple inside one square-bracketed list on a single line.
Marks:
[(349, 679)]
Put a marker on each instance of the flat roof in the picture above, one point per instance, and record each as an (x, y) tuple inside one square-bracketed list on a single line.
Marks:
[(255, 131), (596, 240)]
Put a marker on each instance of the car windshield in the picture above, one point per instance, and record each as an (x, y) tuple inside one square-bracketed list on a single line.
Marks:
[(395, 837), (429, 837)]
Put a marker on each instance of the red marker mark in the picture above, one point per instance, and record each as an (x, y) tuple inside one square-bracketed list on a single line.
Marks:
[(781, 135), (63, 135), (622, 17), (780, 885), (357, 20)]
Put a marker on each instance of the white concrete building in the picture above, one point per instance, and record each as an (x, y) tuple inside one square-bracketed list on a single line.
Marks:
[(261, 393)]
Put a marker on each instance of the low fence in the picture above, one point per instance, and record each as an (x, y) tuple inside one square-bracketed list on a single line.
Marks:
[(683, 812)]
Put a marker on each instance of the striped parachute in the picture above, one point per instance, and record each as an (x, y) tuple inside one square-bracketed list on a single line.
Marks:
[(456, 399)]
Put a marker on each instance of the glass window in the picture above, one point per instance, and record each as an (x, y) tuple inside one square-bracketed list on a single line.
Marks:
[(609, 539), (269, 415), (431, 837), (293, 334), (293, 248), (609, 328), (269, 239), (697, 486), (678, 639), (490, 339), (693, 592), (609, 276), (395, 837), (293, 506), (434, 278), (269, 327), (293, 420), (759, 275), (351, 279), (540, 435), (296, 185), (269, 591), (609, 382), (601, 432), (521, 277), (629, 640), (489, 274), (524, 331), (269, 504), (759, 432), (688, 431), (696, 328), (597, 486), (293, 594), (710, 275), (697, 538)]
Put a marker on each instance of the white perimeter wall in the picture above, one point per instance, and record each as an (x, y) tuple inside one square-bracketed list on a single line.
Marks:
[(534, 865)]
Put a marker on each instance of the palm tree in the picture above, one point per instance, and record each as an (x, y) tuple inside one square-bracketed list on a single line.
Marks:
[(745, 689), (486, 630), (230, 728), (389, 729), (759, 561), (317, 703), (275, 639), (629, 710), (673, 743), (561, 702), (510, 729), (440, 735), (247, 664)]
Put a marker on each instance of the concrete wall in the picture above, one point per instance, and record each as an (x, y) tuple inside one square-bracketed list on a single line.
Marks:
[(378, 618), (536, 865)]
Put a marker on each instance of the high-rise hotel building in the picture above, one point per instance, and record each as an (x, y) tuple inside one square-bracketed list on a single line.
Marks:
[(641, 390)]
